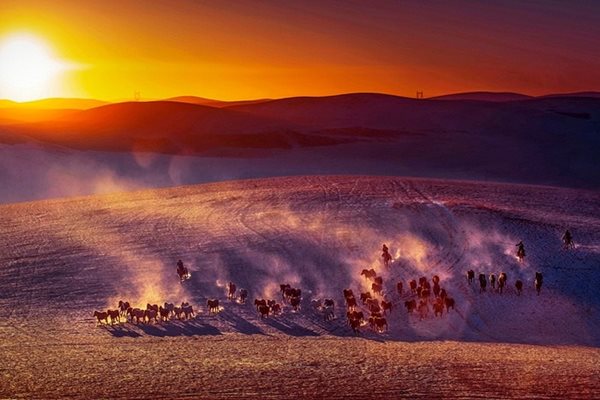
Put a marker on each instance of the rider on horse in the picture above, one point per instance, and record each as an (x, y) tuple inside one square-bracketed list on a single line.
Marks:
[(568, 239), (181, 270), (387, 257), (520, 250)]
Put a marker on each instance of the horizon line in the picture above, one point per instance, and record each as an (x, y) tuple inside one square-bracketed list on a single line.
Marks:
[(151, 99)]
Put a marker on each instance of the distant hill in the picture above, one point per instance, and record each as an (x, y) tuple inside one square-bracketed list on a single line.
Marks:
[(12, 112), (379, 111), (163, 126), (595, 95), (213, 103), (19, 115), (484, 96), (366, 110), (55, 103), (551, 140)]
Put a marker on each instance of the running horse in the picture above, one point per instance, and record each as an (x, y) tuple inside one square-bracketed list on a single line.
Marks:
[(520, 251), (539, 279), (231, 290), (387, 258), (182, 272)]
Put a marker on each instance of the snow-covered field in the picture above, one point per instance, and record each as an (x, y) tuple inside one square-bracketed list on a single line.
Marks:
[(60, 260)]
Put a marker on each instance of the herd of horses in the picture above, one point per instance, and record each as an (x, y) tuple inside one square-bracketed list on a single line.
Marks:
[(424, 297), (498, 282), (153, 312), (289, 295), (425, 294)]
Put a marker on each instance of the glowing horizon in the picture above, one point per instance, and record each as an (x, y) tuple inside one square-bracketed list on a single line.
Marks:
[(245, 50)]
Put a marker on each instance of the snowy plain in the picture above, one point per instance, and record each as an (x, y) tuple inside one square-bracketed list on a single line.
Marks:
[(63, 259)]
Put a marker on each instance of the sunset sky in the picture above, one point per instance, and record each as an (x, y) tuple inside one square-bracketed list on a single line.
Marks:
[(250, 49)]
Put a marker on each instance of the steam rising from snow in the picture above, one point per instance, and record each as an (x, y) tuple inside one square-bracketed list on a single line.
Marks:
[(89, 178)]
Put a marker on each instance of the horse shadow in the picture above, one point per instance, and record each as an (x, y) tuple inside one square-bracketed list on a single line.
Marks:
[(290, 328), (240, 324), (122, 331), (179, 328)]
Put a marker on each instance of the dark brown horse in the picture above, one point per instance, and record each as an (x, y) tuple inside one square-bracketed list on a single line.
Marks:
[(276, 308), (231, 290), (243, 296), (212, 305), (519, 286), (539, 279), (386, 306), (377, 288), (387, 258), (348, 293), (436, 289), (351, 303), (410, 305), (520, 251), (413, 286), (329, 303), (369, 273), (355, 325), (380, 324), (470, 276), (259, 302), (264, 311), (365, 296), (164, 313), (355, 315), (501, 282), (438, 308), (123, 306), (295, 303), (423, 309), (449, 301), (290, 293), (482, 283), (114, 316), (152, 307), (283, 287), (399, 288), (443, 293)]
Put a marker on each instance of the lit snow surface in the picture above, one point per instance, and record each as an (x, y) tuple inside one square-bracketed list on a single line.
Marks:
[(60, 260)]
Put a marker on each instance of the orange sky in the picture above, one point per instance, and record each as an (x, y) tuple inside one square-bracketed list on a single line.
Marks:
[(242, 49)]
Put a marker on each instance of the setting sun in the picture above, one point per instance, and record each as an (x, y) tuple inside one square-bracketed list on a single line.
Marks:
[(28, 69)]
